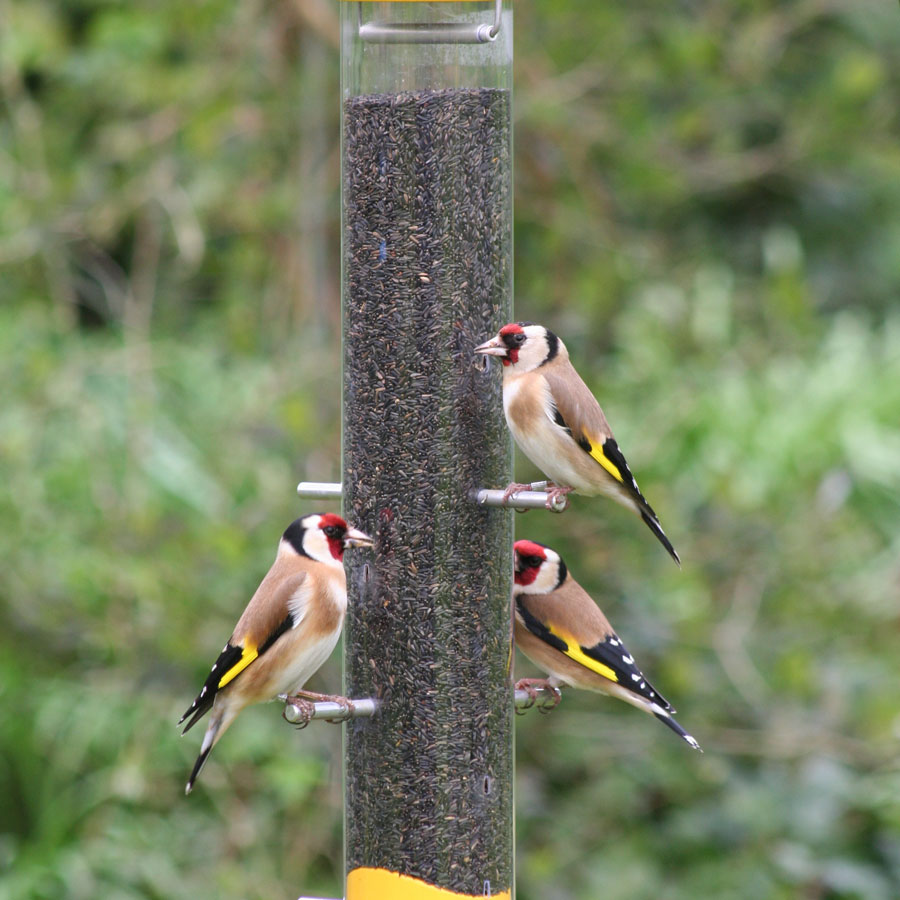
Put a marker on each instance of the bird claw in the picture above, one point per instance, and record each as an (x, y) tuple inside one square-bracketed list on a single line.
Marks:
[(549, 705), (532, 697), (303, 710), (304, 699), (530, 686), (514, 488), (347, 709), (555, 493)]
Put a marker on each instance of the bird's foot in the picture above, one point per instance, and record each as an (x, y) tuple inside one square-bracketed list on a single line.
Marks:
[(514, 488), (310, 698), (555, 494), (525, 685), (301, 711), (531, 687)]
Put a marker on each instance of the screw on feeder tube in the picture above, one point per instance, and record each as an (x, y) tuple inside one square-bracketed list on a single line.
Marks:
[(427, 269)]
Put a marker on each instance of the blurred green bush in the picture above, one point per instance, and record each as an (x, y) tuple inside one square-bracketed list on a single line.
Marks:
[(708, 211)]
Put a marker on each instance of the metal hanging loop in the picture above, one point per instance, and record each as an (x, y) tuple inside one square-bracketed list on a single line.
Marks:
[(430, 33)]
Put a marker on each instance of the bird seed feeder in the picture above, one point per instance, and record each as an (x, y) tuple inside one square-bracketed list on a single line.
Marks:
[(426, 276)]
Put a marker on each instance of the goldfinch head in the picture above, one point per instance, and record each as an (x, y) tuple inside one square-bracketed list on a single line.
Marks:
[(523, 345), (322, 537), (538, 569)]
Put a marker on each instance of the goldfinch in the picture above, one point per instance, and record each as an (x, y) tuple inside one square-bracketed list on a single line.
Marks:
[(558, 423), (289, 628), (560, 629)]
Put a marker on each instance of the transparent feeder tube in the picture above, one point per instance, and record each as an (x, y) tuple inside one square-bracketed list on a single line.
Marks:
[(426, 276)]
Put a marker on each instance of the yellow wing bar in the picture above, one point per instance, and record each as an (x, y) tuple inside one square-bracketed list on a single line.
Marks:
[(573, 651), (248, 654), (601, 457)]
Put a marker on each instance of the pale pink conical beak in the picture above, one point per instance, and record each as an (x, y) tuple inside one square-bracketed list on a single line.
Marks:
[(493, 347), (354, 538)]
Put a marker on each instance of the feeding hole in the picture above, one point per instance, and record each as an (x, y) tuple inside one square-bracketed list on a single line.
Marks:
[(487, 785)]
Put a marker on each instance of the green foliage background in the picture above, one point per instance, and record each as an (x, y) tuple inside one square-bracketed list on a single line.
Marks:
[(707, 209)]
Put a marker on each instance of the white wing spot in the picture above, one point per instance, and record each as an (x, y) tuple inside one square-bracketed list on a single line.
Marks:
[(635, 676), (202, 692), (629, 660)]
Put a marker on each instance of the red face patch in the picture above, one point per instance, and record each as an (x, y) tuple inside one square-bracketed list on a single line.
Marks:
[(529, 558), (512, 353), (334, 529)]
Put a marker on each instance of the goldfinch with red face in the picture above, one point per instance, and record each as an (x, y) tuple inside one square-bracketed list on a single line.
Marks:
[(560, 629), (558, 423), (289, 628)]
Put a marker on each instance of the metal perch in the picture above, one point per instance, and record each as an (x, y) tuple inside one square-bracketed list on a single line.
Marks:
[(535, 498), (366, 707)]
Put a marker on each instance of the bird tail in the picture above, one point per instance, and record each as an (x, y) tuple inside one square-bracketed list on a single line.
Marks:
[(649, 517), (220, 721), (197, 710), (666, 719), (624, 488), (204, 700)]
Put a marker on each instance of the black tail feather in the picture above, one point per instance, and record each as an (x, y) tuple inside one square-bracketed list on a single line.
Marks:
[(204, 700), (653, 524), (197, 710), (202, 703), (668, 720), (198, 765)]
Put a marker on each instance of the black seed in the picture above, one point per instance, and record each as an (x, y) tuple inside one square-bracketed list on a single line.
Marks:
[(427, 257)]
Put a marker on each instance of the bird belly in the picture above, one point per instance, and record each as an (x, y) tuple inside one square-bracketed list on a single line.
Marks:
[(553, 450), (307, 664)]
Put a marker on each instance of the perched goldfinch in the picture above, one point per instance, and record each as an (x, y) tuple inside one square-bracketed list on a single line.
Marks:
[(558, 423), (560, 629), (289, 628)]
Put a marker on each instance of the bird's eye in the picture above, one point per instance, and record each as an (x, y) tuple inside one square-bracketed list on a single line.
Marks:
[(519, 338), (533, 562), (331, 530)]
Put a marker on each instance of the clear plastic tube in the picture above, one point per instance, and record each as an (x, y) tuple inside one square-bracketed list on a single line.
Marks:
[(426, 276)]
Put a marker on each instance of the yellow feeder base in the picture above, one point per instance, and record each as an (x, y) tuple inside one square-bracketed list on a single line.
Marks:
[(380, 884)]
